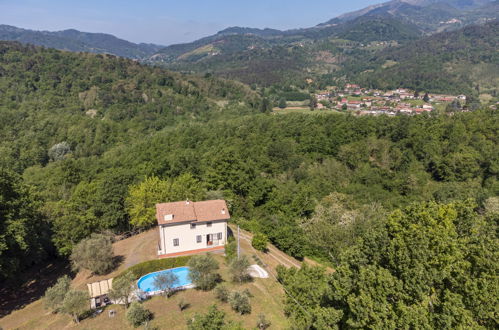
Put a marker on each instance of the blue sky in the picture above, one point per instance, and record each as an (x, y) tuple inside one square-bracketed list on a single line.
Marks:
[(170, 21)]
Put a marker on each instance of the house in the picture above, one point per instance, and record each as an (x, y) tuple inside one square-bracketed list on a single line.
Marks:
[(191, 227)]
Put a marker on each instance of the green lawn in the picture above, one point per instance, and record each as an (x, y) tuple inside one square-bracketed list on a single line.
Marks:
[(303, 111)]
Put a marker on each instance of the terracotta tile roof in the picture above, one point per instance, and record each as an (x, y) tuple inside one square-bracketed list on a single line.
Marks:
[(188, 211)]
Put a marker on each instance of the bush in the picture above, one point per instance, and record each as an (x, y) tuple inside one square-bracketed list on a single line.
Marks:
[(214, 319), (259, 242), (239, 269), (94, 253), (55, 294), (202, 271), (222, 293), (231, 250), (262, 323), (155, 265), (239, 301), (137, 314), (182, 304)]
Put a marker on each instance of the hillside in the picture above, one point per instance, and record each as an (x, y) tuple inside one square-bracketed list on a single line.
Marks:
[(76, 41), (463, 61), (429, 15)]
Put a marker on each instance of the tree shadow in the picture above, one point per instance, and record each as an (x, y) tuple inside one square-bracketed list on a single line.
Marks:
[(117, 261), (31, 285)]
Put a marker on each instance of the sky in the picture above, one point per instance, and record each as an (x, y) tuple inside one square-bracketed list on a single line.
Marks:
[(168, 22)]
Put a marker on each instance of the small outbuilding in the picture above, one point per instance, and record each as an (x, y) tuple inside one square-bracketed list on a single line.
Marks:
[(98, 292)]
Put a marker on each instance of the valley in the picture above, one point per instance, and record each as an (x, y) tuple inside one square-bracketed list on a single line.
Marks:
[(340, 176)]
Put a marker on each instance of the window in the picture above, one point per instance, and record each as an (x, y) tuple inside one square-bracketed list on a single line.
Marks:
[(219, 236), (193, 226), (175, 242), (208, 224), (198, 239)]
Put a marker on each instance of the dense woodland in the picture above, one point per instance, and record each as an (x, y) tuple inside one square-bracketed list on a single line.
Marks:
[(458, 62), (401, 206)]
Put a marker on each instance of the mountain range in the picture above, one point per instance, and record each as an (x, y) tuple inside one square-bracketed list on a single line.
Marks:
[(366, 39), (76, 41)]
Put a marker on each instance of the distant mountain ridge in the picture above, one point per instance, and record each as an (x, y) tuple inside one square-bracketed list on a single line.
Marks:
[(77, 41), (428, 15)]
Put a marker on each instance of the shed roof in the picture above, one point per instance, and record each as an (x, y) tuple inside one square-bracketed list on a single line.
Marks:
[(100, 288)]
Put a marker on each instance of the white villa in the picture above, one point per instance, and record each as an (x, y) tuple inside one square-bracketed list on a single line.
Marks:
[(191, 227)]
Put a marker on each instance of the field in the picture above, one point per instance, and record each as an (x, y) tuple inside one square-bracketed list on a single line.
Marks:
[(267, 294), (302, 110)]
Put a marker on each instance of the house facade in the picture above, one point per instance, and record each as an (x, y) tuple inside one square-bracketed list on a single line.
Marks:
[(191, 227)]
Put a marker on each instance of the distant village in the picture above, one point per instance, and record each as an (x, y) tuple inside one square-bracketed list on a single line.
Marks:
[(376, 102)]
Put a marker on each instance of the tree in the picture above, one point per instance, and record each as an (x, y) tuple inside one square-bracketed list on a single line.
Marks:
[(282, 103), (23, 230), (426, 97), (94, 253), (59, 151), (143, 197), (239, 269), (214, 319), (123, 286), (239, 302), (259, 241), (202, 271), (165, 282), (54, 295), (344, 107), (262, 323), (313, 102), (75, 303), (137, 314)]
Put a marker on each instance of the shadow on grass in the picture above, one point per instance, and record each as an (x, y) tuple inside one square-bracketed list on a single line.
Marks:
[(31, 285)]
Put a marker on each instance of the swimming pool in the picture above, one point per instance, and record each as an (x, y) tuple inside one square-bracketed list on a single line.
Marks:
[(146, 282)]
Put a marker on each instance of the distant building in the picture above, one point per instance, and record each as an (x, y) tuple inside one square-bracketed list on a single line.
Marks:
[(191, 227)]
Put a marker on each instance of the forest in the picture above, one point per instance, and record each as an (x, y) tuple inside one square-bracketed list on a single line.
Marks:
[(404, 208)]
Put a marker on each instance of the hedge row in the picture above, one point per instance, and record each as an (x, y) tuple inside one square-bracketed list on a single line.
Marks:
[(150, 266)]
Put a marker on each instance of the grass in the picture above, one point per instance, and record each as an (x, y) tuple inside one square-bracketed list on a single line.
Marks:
[(302, 111)]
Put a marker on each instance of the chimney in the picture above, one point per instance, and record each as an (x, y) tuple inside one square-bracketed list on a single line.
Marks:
[(187, 202), (223, 211)]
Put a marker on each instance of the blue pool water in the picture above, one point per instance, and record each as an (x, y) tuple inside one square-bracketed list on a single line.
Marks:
[(146, 282)]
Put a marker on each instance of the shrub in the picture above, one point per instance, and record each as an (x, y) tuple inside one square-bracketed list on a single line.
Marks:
[(155, 265), (239, 302), (239, 269), (94, 253), (259, 242), (202, 271), (55, 294), (137, 314), (214, 319), (222, 293), (231, 250), (182, 304), (262, 323)]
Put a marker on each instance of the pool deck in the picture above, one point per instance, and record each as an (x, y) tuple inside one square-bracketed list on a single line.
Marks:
[(220, 248)]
